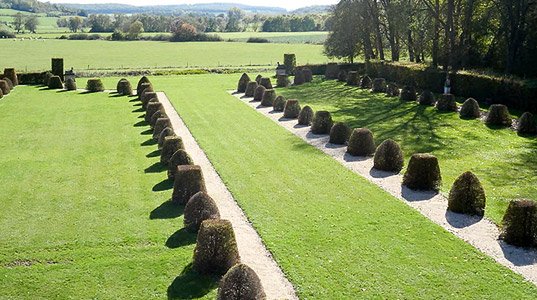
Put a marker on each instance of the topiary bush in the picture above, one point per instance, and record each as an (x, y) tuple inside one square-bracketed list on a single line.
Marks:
[(154, 118), (379, 85), (526, 124), (258, 79), (250, 89), (268, 98), (9, 83), (339, 133), (299, 77), (498, 116), (467, 195), (240, 283), (446, 103), (216, 248), (305, 116), (143, 80), (332, 71), (46, 78), (94, 85), (279, 103), (259, 92), (342, 76), (361, 142), (291, 109), (289, 61), (426, 98), (308, 75), (70, 84), (408, 93), (168, 131), (145, 87), (188, 180), (169, 147), (151, 109), (365, 82), (519, 225), (243, 82), (322, 122), (124, 87), (282, 81), (55, 83), (199, 208), (12, 75), (389, 157), (160, 124), (147, 95), (4, 87), (423, 173), (470, 109), (1, 94), (265, 81), (353, 78), (179, 158)]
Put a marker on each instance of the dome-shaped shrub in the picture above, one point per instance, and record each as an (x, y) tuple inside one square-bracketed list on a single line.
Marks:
[(520, 223), (9, 83), (342, 76), (259, 92), (250, 89), (124, 87), (498, 116), (179, 158), (146, 96), (365, 82), (265, 81), (332, 71), (379, 85), (408, 93), (199, 208), (1, 94), (216, 248), (268, 98), (94, 85), (55, 83), (361, 142), (470, 109), (241, 283), (305, 116), (279, 103), (291, 109), (70, 84), (145, 87), (157, 115), (46, 78), (168, 131), (243, 82), (258, 79), (353, 78), (423, 173), (299, 77), (389, 157), (4, 87), (467, 195), (526, 124), (151, 109), (12, 75), (322, 122), (188, 181), (139, 88), (160, 124), (282, 81), (339, 133), (426, 98), (446, 103), (308, 75), (171, 145)]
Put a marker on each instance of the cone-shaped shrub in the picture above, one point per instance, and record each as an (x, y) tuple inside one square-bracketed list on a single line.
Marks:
[(199, 208), (4, 87), (170, 146), (139, 88), (188, 181), (408, 93), (305, 116), (250, 89), (160, 124), (389, 157), (124, 87), (268, 98), (526, 124), (379, 85), (151, 109), (12, 75), (365, 82), (157, 115), (291, 109), (467, 195), (353, 78), (258, 79), (9, 83), (145, 87), (498, 116), (259, 92), (94, 85), (179, 158), (168, 131), (308, 75), (520, 223), (282, 81), (46, 78), (265, 81), (332, 71), (342, 76), (1, 94), (241, 283), (55, 83), (216, 248), (361, 142), (146, 96), (423, 173), (299, 77), (339, 133), (470, 109), (70, 84), (243, 82), (322, 122), (426, 98), (446, 103), (279, 103)]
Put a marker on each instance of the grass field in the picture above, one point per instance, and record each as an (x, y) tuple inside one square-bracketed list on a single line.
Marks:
[(46, 24), (278, 37)]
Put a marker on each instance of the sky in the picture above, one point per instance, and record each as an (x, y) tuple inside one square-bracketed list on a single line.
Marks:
[(288, 4)]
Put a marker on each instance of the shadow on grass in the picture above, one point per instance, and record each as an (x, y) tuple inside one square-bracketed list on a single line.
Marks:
[(138, 110), (150, 142), (147, 132), (191, 285), (181, 238), (167, 210), (155, 153), (164, 185), (133, 99), (141, 124), (155, 168)]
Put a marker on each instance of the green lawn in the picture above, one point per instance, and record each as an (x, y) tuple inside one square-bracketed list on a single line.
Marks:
[(77, 176), (335, 235), (504, 161), (316, 37)]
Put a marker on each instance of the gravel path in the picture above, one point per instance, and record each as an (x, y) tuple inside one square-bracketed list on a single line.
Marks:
[(251, 248), (479, 232)]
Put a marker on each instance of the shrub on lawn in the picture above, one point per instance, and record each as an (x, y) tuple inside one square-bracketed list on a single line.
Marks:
[(408, 93), (9, 83), (258, 79), (322, 122), (188, 180), (124, 87), (243, 82), (145, 87), (46, 78), (147, 95), (353, 78), (520, 223), (299, 77), (216, 248), (257, 40), (250, 89), (361, 142), (268, 98), (1, 94), (12, 75), (308, 75), (423, 173), (154, 118), (305, 116), (282, 81), (470, 109), (199, 208), (55, 82), (279, 103), (95, 85), (160, 124), (467, 195), (342, 76), (291, 109), (379, 85), (151, 109), (365, 82), (426, 98), (265, 81), (332, 71), (498, 116), (168, 131), (389, 157), (339, 133), (4, 87), (142, 80), (171, 145), (241, 283), (259, 92), (526, 124), (446, 103), (70, 84), (179, 158)]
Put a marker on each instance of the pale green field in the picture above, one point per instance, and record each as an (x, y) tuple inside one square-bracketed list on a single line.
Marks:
[(317, 37)]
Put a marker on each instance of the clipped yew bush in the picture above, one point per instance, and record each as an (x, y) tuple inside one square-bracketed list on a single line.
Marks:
[(12, 75), (365, 82), (423, 173), (9, 83), (55, 83), (526, 124), (70, 84), (243, 82), (282, 81), (151, 109), (389, 157), (146, 96), (94, 85), (332, 71), (124, 87), (379, 85), (179, 158), (498, 116), (250, 89), (291, 109), (305, 116), (426, 98), (157, 115), (258, 79), (265, 81), (342, 76), (519, 225), (467, 195), (308, 75), (446, 103), (361, 142), (268, 98), (169, 147), (240, 283), (199, 208), (166, 132), (339, 133), (188, 180), (145, 87), (392, 90), (353, 78), (408, 93), (259, 92), (4, 87), (279, 103), (470, 109), (160, 124), (216, 248), (322, 122), (299, 77), (143, 80)]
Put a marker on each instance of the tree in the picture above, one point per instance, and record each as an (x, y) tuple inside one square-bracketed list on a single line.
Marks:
[(30, 23), (100, 23), (234, 22), (344, 40), (135, 29), (75, 23), (18, 22)]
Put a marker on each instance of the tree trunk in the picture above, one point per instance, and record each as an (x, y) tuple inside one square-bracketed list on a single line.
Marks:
[(436, 37)]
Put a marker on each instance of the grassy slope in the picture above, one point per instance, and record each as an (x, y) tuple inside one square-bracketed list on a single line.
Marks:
[(335, 235), (504, 162), (76, 189), (316, 37)]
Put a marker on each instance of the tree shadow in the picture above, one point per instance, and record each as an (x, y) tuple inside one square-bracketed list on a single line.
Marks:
[(519, 256), (164, 185), (191, 285), (155, 168), (181, 238), (458, 220), (155, 153), (167, 210)]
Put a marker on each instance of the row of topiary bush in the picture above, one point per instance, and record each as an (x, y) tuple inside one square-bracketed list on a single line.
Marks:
[(8, 81), (216, 251)]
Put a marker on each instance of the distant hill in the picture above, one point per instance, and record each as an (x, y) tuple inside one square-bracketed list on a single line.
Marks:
[(316, 9), (35, 6)]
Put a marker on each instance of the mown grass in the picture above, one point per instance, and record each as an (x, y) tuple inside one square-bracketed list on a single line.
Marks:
[(316, 37), (84, 212), (504, 161), (335, 235)]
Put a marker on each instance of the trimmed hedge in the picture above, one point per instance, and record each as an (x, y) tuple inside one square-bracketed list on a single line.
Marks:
[(95, 85), (520, 223), (279, 103), (4, 87), (139, 88), (426, 98), (12, 75), (268, 98), (9, 83), (70, 84), (446, 103), (322, 122), (55, 83), (168, 131), (339, 133), (216, 248), (467, 195), (1, 94), (389, 157), (305, 116), (265, 81), (199, 208), (291, 109), (179, 158), (258, 79), (498, 115), (243, 82), (241, 283), (526, 124), (361, 142), (379, 85), (124, 87), (146, 97), (250, 89), (151, 109), (342, 76), (160, 124), (331, 71), (188, 180), (423, 173), (171, 145), (259, 92), (470, 109), (154, 118)]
